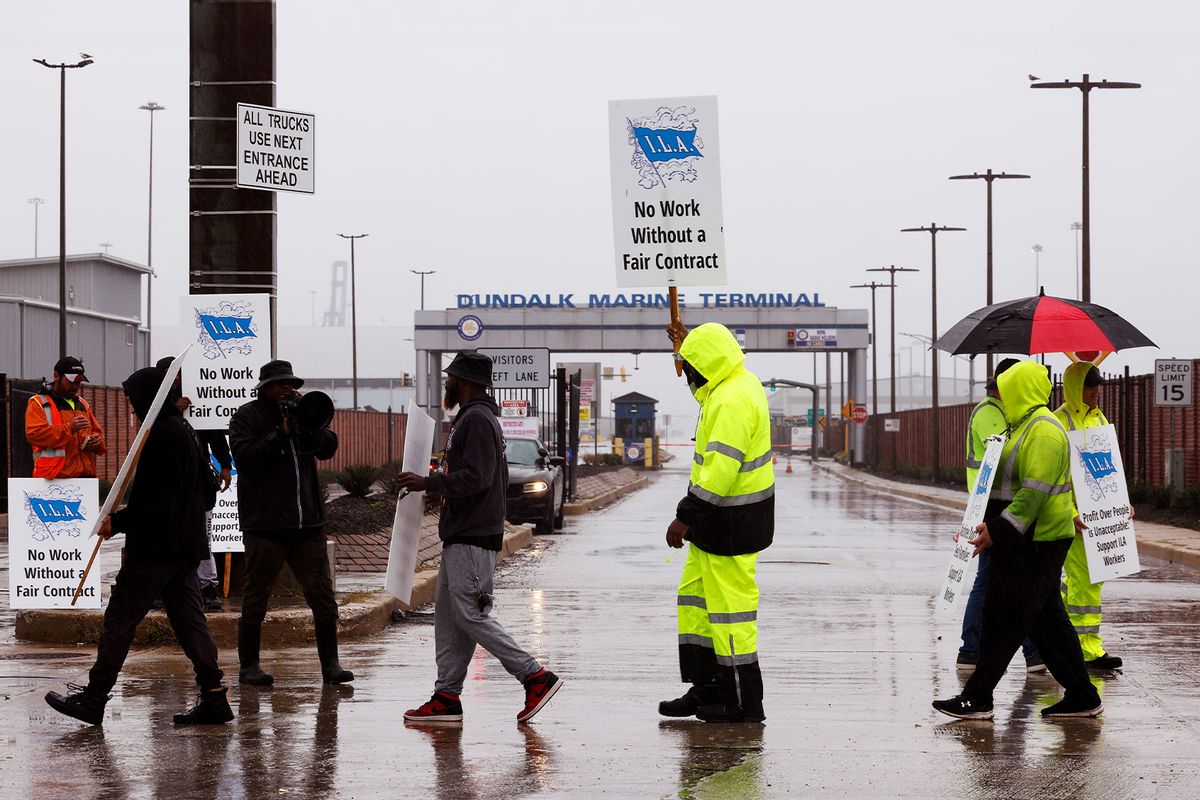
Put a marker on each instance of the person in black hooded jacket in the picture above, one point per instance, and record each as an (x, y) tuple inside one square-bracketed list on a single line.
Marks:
[(163, 524)]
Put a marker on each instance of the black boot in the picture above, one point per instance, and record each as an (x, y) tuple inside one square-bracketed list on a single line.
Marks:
[(81, 704), (212, 709), (731, 697), (212, 598), (687, 705), (327, 652), (249, 639)]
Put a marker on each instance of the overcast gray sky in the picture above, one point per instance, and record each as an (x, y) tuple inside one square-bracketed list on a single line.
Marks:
[(470, 138)]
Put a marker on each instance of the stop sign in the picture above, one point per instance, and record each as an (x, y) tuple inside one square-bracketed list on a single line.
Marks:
[(859, 415)]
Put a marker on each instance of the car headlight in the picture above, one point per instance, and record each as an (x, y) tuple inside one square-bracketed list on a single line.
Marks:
[(535, 487)]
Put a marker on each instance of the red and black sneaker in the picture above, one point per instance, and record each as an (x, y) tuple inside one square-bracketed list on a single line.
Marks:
[(539, 688), (442, 707)]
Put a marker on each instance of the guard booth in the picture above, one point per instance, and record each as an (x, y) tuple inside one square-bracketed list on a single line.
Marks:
[(634, 420)]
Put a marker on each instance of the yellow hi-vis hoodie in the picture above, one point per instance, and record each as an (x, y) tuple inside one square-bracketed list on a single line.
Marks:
[(730, 505), (1034, 470), (1074, 414)]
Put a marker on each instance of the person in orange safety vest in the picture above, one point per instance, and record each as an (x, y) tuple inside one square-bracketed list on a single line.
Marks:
[(60, 426)]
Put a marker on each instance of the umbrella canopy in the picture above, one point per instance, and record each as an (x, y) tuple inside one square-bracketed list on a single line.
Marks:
[(1041, 324)]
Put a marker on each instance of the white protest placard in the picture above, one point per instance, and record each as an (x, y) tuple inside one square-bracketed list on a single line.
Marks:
[(410, 508), (960, 573), (666, 188), (1102, 498), (275, 149), (519, 367), (521, 426), (49, 524), (226, 528), (231, 334)]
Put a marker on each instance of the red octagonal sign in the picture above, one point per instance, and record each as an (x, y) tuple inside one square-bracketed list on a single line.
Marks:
[(859, 415)]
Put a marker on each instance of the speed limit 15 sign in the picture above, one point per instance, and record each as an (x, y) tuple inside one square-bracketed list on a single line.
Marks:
[(1172, 382)]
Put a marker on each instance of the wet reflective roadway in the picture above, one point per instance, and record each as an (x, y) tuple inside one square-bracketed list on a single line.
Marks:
[(852, 653)]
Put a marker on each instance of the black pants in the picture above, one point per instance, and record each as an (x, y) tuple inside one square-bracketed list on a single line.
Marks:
[(304, 552), (1023, 601), (137, 587)]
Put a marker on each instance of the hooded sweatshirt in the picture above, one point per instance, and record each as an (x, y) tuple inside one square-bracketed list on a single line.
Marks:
[(730, 505), (476, 477), (1034, 474), (1075, 414), (164, 519)]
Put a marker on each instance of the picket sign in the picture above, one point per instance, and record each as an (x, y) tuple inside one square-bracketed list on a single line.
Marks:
[(410, 506), (125, 475), (961, 563), (1102, 498)]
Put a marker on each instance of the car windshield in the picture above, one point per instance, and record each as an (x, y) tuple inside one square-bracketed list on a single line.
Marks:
[(522, 451)]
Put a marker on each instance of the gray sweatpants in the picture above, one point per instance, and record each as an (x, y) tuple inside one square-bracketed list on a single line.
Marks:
[(462, 619)]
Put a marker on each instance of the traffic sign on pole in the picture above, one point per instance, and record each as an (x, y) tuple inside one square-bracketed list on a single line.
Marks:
[(1173, 382), (859, 415)]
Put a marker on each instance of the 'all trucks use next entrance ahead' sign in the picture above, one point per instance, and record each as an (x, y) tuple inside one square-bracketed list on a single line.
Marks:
[(274, 149)]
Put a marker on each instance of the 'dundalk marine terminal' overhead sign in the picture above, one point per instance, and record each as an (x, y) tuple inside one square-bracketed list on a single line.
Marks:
[(666, 185)]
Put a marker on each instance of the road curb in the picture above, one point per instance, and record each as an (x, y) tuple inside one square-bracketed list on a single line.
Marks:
[(584, 506), (365, 614), (894, 488)]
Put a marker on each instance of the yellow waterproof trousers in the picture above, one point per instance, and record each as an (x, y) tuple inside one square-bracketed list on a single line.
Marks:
[(1082, 599), (718, 613)]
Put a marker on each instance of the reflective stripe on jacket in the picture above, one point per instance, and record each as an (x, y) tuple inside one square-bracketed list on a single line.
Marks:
[(730, 505), (56, 451), (1034, 466), (987, 419)]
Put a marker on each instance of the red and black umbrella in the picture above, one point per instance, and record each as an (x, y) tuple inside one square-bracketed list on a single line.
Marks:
[(1041, 324)]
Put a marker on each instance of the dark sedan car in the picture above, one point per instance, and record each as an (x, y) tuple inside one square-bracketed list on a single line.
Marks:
[(535, 484)]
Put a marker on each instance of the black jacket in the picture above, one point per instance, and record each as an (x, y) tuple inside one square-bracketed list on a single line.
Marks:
[(164, 519), (476, 473), (278, 489)]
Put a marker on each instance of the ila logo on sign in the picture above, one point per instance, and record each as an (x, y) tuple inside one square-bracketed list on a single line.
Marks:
[(228, 328), (666, 146), (53, 513)]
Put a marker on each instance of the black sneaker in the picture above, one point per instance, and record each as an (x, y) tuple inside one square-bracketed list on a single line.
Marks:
[(79, 703), (1035, 664), (724, 713), (443, 707), (252, 675), (212, 598), (1074, 708), (539, 688), (684, 706), (964, 708), (212, 709), (966, 661), (1104, 662)]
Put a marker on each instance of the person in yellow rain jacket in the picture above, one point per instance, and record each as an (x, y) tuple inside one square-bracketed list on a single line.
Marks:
[(1029, 540), (1081, 395), (728, 517)]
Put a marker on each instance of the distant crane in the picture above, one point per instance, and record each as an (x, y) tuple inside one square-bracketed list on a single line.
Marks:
[(335, 317)]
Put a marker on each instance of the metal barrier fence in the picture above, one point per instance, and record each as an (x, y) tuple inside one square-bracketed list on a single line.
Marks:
[(1143, 429)]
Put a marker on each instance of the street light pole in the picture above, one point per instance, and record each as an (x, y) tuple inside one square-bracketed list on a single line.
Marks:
[(933, 229), (1085, 87), (151, 107), (353, 320), (1037, 269), (423, 274), (62, 194), (988, 177), (35, 202), (873, 285), (892, 270)]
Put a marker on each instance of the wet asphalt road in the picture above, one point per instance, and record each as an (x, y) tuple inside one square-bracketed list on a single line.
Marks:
[(852, 654)]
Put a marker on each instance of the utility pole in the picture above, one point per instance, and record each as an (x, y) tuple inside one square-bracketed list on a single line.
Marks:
[(1075, 226), (933, 229), (353, 320), (1085, 87), (423, 274), (151, 107), (873, 285), (35, 202), (988, 177), (892, 270), (62, 194)]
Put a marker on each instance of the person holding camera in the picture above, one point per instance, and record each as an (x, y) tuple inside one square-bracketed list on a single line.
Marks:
[(282, 515), (60, 427)]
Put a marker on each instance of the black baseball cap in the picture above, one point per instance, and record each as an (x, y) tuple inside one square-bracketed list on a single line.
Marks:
[(1093, 378), (1003, 366), (70, 368), (471, 366)]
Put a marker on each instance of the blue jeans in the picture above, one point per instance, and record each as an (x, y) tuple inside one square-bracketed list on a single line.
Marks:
[(973, 618)]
